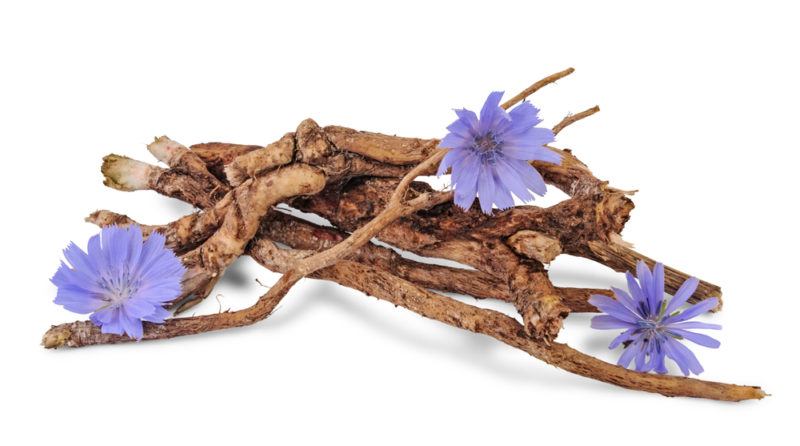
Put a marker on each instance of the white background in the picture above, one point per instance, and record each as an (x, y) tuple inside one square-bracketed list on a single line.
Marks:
[(699, 108)]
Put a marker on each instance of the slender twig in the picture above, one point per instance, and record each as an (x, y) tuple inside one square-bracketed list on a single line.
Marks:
[(571, 119), (535, 87)]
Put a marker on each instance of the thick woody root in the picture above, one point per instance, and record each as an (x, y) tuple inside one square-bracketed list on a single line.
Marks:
[(212, 239), (573, 177), (586, 225), (187, 179), (306, 236), (478, 241), (385, 286), (181, 159), (541, 310), (611, 210), (190, 179), (249, 204), (65, 334), (538, 302), (303, 235), (254, 163), (313, 145), (540, 307), (217, 155), (126, 174), (182, 235), (534, 297)]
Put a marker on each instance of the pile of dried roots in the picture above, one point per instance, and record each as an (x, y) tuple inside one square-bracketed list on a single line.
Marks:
[(363, 184)]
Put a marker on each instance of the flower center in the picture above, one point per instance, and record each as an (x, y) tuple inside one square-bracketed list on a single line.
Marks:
[(486, 143), (118, 288), (650, 326), (487, 146)]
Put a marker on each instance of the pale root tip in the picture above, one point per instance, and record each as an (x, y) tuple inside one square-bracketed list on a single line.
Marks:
[(125, 174), (166, 150), (105, 218), (55, 337), (719, 302)]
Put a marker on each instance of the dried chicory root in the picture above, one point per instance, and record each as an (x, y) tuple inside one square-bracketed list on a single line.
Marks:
[(364, 185)]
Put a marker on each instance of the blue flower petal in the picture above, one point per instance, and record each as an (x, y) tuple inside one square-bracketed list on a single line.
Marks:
[(465, 173), (646, 284), (130, 324), (138, 308), (453, 141), (682, 295), (626, 300), (606, 322), (658, 286), (628, 354), (95, 254), (529, 176), (697, 338), (502, 196), (135, 241), (613, 308), (696, 325), (79, 259), (682, 356), (532, 138), (659, 356), (450, 158), (486, 190), (470, 119), (640, 361), (105, 315), (625, 336), (463, 129), (523, 117), (696, 309), (114, 327), (511, 180), (490, 111), (158, 316), (115, 247), (108, 320)]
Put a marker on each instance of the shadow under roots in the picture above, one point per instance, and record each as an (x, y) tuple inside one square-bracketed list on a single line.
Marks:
[(482, 353)]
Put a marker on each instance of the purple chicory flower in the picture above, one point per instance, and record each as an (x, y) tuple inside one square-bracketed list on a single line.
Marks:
[(654, 326), (121, 280), (491, 155)]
